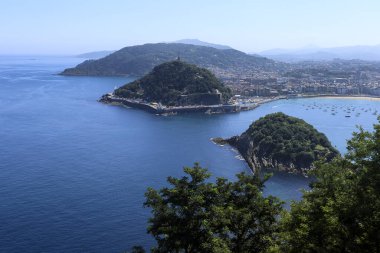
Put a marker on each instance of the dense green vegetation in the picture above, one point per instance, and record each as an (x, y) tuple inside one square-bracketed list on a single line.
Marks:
[(340, 212), (139, 60), (284, 139), (198, 216), (175, 83)]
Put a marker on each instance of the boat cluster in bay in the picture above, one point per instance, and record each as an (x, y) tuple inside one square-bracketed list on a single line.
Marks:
[(347, 110)]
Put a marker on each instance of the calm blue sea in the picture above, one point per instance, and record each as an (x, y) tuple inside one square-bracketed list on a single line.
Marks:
[(73, 171)]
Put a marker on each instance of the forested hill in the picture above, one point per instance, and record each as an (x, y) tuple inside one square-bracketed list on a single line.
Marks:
[(177, 83), (139, 60), (283, 142)]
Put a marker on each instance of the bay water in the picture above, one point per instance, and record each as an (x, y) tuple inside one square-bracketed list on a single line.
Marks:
[(73, 171)]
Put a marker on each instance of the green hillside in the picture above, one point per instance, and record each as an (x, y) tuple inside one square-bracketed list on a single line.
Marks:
[(283, 142), (177, 83), (139, 60)]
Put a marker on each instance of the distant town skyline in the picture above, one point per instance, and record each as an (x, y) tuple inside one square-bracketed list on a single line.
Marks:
[(74, 27)]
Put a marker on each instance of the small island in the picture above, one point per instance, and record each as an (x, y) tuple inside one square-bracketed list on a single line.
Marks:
[(281, 142), (175, 87)]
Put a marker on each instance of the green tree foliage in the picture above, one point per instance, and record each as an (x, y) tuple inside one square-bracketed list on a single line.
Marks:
[(286, 139), (169, 82), (246, 220), (341, 212), (195, 215)]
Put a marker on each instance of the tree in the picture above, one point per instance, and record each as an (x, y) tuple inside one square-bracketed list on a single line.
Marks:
[(181, 214), (244, 218), (198, 216), (341, 212)]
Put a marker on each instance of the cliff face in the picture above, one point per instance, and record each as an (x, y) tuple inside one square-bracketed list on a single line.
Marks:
[(284, 143), (256, 162)]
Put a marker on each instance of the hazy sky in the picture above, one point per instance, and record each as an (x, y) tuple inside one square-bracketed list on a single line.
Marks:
[(76, 26)]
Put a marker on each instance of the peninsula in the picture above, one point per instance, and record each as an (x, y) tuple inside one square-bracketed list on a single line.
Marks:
[(281, 142), (140, 60), (174, 87)]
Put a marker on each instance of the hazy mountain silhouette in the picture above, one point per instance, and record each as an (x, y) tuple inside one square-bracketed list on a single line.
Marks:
[(367, 53), (197, 42)]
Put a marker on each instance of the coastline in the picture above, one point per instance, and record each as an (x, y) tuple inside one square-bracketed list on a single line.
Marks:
[(265, 100), (218, 109), (164, 110)]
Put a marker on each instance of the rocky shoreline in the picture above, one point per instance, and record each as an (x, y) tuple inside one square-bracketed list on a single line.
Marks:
[(257, 163), (281, 142), (164, 110), (212, 109)]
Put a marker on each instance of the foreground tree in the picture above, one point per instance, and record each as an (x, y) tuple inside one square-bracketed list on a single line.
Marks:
[(341, 212), (198, 216), (248, 220)]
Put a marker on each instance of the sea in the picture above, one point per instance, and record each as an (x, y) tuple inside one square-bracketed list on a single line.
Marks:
[(73, 171)]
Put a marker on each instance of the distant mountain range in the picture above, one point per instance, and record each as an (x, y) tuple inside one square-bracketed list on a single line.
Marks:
[(310, 53), (100, 54), (366, 53), (139, 60), (96, 54), (197, 42)]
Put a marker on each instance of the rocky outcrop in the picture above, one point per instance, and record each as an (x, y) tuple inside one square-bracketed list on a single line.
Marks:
[(270, 141), (256, 162)]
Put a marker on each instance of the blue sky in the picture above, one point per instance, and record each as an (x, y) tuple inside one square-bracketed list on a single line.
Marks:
[(76, 26)]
